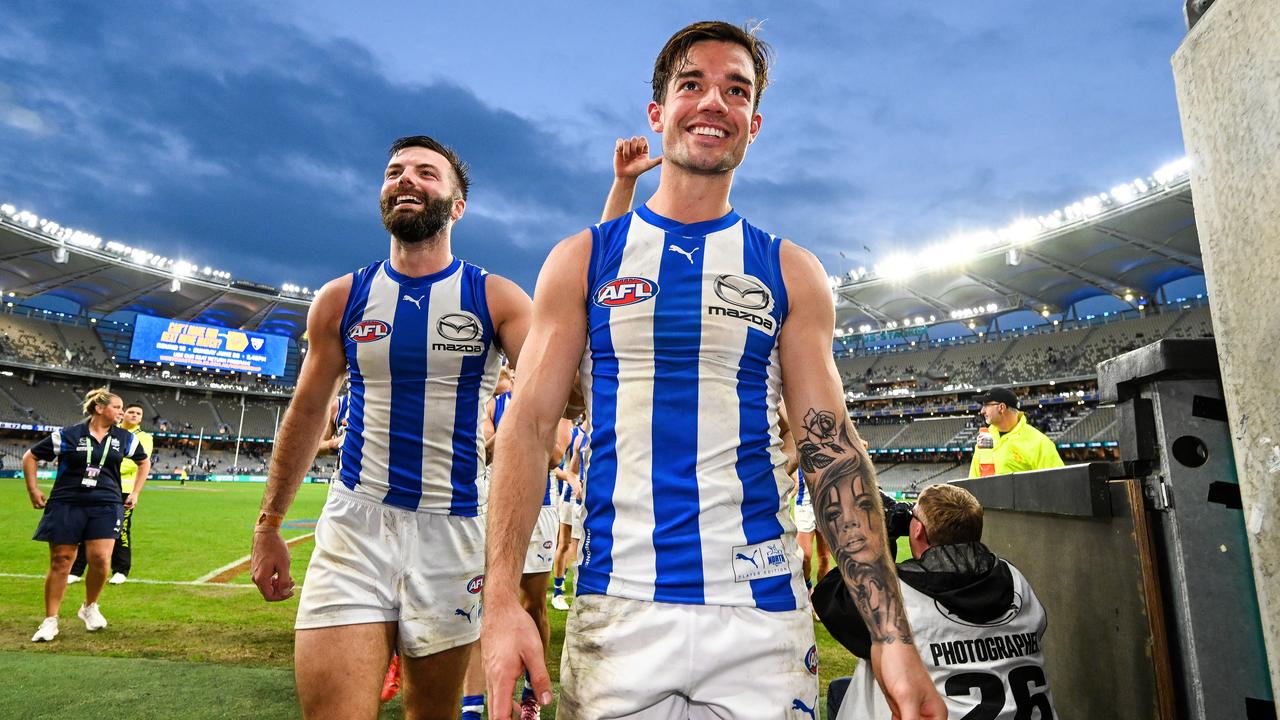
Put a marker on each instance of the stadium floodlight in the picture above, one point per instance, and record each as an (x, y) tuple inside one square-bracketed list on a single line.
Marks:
[(896, 267), (1044, 312), (1128, 297), (1093, 205), (175, 285), (1175, 170), (1124, 193)]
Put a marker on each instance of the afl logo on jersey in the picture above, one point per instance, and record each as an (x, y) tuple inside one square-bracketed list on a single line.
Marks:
[(745, 292), (369, 331), (811, 660), (625, 291), (475, 584)]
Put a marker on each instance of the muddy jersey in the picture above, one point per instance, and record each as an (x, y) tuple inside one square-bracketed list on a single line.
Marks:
[(689, 490), (991, 670), (422, 359)]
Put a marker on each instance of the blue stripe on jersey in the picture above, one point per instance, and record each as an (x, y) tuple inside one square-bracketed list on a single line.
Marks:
[(597, 553), (407, 362), (760, 499), (677, 340), (465, 500), (801, 491), (500, 407), (353, 442)]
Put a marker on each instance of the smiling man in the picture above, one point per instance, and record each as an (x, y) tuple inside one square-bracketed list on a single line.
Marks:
[(688, 326), (398, 561)]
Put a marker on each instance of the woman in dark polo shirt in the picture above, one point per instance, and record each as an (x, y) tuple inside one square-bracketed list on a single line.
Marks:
[(85, 503)]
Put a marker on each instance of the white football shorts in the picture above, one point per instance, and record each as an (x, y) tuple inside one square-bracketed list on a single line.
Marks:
[(377, 563), (542, 544), (686, 661)]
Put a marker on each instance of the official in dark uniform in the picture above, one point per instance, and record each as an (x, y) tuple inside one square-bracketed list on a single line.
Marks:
[(85, 504), (122, 555)]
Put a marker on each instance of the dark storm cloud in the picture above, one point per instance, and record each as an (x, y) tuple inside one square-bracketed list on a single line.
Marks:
[(242, 143)]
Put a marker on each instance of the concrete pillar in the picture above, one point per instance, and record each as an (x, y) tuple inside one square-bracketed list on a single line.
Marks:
[(1227, 73)]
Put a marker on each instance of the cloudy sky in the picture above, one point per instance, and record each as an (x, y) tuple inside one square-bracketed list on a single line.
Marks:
[(252, 136)]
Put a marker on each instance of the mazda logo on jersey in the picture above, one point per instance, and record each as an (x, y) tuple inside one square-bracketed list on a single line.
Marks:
[(745, 298), (625, 291), (745, 292), (369, 331), (458, 327)]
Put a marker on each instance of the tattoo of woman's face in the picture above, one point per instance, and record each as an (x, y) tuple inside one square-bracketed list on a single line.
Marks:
[(849, 512)]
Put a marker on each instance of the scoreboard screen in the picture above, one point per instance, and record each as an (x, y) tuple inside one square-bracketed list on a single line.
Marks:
[(180, 342)]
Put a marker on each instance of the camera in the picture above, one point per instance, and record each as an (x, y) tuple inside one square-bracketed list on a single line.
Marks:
[(897, 518)]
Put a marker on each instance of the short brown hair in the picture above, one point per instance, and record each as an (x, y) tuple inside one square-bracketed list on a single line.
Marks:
[(461, 170), (675, 54), (952, 515)]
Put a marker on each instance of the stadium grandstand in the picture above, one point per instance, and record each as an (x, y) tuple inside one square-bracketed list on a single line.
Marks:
[(1034, 306)]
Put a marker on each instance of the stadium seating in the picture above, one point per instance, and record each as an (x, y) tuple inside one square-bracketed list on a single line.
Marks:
[(1193, 324), (1093, 426), (930, 432)]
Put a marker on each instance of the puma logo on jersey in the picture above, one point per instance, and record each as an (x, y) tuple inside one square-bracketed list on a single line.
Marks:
[(417, 302), (688, 254), (751, 560), (798, 704)]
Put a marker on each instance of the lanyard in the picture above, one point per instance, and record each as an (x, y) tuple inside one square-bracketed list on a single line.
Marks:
[(88, 451)]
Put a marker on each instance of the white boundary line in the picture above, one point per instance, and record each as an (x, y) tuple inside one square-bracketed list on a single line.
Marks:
[(204, 579), (197, 583)]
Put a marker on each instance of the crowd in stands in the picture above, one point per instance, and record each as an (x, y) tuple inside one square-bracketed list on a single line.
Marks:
[(1038, 354)]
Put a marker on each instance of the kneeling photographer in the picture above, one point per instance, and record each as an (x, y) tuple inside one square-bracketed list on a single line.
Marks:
[(978, 624)]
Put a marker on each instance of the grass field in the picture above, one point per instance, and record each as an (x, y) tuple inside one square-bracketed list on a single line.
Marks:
[(177, 644)]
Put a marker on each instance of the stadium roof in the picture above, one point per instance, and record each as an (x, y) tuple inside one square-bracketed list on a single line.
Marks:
[(1127, 243), (38, 258)]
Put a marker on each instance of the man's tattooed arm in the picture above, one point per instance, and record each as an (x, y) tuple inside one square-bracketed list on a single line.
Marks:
[(846, 501)]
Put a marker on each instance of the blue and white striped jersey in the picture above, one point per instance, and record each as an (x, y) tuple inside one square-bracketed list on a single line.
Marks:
[(689, 490), (499, 408), (422, 361), (577, 441)]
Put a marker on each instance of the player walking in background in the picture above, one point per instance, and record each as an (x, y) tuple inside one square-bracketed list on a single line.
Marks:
[(122, 552), (540, 552), (688, 324), (399, 546), (805, 535), (85, 505), (570, 478)]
